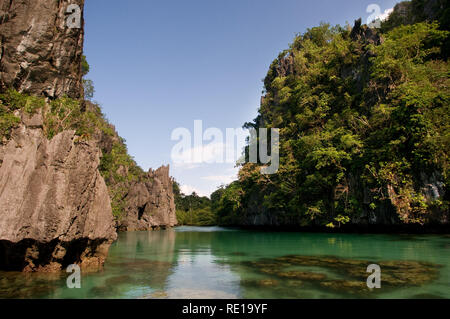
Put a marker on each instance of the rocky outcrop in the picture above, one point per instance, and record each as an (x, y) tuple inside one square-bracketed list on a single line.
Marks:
[(55, 208), (40, 53), (286, 65), (150, 203), (364, 34), (54, 205)]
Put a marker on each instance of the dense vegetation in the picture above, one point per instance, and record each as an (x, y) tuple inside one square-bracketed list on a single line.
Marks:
[(58, 115), (193, 210), (364, 124)]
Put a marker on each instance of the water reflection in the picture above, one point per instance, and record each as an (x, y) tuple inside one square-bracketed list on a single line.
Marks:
[(213, 262)]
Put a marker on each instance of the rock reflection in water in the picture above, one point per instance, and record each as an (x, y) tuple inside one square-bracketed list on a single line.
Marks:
[(213, 262)]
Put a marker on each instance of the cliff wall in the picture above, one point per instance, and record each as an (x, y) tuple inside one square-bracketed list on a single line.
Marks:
[(39, 53), (55, 209)]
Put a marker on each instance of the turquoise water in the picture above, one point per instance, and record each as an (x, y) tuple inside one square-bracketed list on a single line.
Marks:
[(191, 262)]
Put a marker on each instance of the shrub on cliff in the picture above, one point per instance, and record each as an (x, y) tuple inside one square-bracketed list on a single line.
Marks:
[(11, 101), (7, 122)]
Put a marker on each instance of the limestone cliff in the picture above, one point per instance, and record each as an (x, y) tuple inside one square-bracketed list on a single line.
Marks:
[(150, 204), (39, 53), (55, 208), (54, 204)]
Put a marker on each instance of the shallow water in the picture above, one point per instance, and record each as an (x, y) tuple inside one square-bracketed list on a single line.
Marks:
[(213, 262)]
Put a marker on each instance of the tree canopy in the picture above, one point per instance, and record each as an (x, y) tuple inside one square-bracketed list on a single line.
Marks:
[(364, 125)]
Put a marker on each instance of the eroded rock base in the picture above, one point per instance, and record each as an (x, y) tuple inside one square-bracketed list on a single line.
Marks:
[(30, 256)]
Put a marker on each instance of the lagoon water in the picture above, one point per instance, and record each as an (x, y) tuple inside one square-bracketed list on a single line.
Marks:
[(214, 262)]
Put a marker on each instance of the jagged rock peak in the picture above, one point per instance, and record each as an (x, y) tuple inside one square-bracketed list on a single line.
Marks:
[(365, 34), (163, 174)]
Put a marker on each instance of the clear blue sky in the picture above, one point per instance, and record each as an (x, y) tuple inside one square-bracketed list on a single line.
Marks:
[(159, 65)]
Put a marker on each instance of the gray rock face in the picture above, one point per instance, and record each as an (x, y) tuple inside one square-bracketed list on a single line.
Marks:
[(39, 53), (54, 205), (151, 204)]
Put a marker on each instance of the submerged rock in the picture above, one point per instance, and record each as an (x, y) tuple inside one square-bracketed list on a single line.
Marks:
[(159, 295), (269, 270), (29, 285), (260, 283), (394, 274), (348, 286), (302, 275)]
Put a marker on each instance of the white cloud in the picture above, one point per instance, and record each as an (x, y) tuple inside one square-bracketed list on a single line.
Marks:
[(219, 151), (225, 178), (206, 154), (212, 183), (188, 190), (385, 14), (186, 158), (222, 179), (186, 166)]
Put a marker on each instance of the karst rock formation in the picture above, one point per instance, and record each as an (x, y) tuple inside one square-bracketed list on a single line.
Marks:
[(55, 207)]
